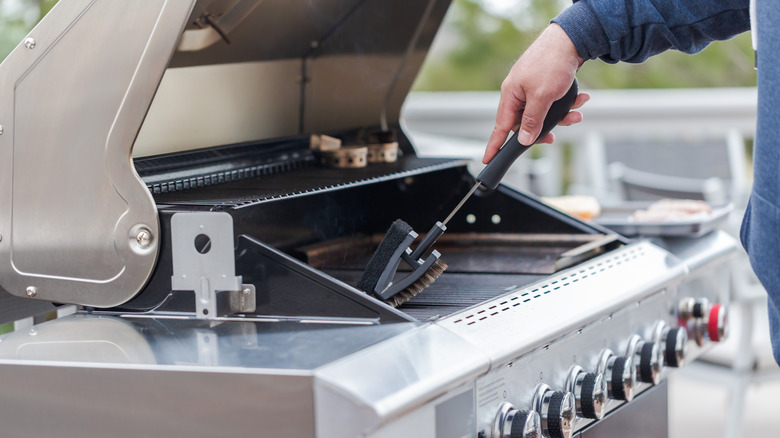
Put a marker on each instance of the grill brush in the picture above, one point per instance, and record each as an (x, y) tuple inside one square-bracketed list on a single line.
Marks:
[(395, 247)]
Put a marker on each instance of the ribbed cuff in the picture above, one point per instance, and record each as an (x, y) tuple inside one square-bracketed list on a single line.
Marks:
[(581, 24)]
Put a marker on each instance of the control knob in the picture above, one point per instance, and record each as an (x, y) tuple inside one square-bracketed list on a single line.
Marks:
[(690, 308), (675, 342), (590, 392), (620, 375), (517, 423), (710, 321), (648, 359), (557, 411), (717, 323)]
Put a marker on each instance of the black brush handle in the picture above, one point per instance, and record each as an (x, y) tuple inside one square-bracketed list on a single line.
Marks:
[(494, 172)]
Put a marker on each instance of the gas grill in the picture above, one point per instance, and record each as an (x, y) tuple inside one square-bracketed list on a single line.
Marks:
[(157, 172)]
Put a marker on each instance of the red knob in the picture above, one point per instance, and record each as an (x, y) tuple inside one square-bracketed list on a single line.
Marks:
[(716, 323)]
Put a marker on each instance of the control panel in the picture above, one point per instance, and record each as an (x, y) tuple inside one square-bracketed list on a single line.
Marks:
[(563, 387)]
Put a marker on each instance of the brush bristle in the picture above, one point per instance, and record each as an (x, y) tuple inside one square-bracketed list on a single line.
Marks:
[(418, 286)]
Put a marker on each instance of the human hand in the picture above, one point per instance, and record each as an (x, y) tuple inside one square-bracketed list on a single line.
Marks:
[(542, 75)]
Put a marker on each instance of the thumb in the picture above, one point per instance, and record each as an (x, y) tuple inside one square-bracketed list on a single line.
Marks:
[(532, 121)]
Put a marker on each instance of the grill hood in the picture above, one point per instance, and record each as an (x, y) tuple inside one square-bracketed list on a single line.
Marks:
[(291, 67)]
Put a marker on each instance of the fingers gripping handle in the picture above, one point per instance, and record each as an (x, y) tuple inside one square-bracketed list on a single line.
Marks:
[(494, 172)]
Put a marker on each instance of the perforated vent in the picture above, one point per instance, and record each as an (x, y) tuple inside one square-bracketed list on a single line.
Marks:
[(520, 297)]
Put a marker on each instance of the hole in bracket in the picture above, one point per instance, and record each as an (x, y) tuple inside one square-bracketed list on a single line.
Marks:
[(202, 243)]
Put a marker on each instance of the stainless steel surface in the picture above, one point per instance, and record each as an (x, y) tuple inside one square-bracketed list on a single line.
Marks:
[(318, 358), (93, 402), (66, 164), (125, 372), (622, 278), (352, 380), (415, 367), (647, 416), (701, 254), (204, 262), (317, 77), (229, 16)]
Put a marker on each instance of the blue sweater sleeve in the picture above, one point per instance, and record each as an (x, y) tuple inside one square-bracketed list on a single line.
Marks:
[(634, 30)]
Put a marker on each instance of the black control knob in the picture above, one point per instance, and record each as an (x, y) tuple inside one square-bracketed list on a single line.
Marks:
[(675, 346), (649, 366), (525, 424), (517, 423), (590, 392), (690, 308), (701, 308), (621, 378), (593, 396), (557, 411)]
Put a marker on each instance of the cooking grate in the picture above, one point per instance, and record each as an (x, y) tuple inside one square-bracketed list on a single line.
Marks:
[(453, 292), (306, 180)]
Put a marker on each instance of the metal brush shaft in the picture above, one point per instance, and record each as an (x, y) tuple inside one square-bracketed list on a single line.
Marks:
[(494, 172), (462, 201), (439, 227)]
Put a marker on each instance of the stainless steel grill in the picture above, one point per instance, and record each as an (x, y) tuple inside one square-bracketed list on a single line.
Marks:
[(215, 271)]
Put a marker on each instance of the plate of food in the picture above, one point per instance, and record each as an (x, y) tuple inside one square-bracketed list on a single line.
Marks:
[(666, 217)]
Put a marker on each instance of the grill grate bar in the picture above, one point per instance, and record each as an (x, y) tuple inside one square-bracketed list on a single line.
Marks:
[(312, 179), (453, 292)]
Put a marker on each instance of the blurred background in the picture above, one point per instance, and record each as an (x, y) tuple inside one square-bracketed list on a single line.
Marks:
[(675, 126), (481, 39)]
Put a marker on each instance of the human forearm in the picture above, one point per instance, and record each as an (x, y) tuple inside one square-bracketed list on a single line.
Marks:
[(633, 30)]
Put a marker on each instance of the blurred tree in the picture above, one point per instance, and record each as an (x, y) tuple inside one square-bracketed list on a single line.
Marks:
[(17, 17), (476, 48)]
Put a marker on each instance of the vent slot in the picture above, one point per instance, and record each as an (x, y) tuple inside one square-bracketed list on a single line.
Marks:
[(555, 284)]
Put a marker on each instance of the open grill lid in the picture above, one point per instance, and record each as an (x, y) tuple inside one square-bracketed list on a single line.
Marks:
[(290, 67), (77, 225)]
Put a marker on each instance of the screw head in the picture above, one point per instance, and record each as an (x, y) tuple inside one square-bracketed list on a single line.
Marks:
[(29, 43), (144, 238), (32, 291), (1, 129)]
